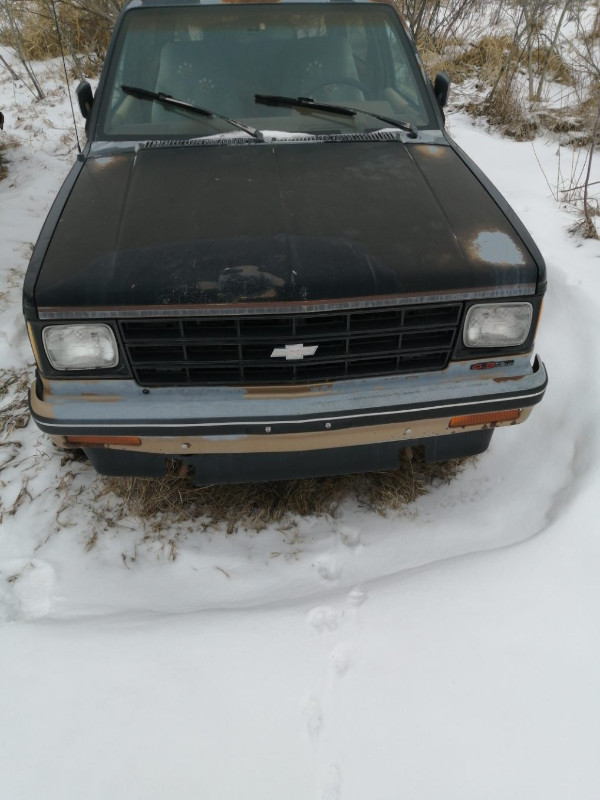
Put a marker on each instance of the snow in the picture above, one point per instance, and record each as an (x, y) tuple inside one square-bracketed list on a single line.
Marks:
[(447, 652)]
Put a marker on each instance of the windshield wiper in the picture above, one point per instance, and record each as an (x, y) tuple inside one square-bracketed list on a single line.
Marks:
[(348, 111), (168, 100)]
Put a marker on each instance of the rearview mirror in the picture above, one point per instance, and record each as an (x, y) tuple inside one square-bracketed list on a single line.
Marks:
[(441, 88), (85, 98)]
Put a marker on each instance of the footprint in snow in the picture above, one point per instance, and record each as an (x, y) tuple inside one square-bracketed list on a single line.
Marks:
[(328, 568), (350, 536), (31, 586), (332, 783), (357, 597), (314, 717), (340, 658), (323, 618)]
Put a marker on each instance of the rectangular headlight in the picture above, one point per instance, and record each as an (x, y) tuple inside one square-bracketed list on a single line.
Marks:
[(80, 346), (497, 324)]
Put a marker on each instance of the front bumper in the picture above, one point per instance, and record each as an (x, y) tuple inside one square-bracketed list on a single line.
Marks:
[(231, 434)]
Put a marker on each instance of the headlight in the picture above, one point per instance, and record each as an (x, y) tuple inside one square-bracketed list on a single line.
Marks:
[(80, 346), (497, 325)]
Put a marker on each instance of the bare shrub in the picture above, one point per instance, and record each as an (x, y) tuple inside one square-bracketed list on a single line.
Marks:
[(584, 51), (591, 207), (551, 64), (437, 21), (85, 27), (442, 28), (506, 111), (483, 59), (12, 29)]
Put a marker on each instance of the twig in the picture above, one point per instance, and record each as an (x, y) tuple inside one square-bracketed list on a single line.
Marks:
[(591, 232), (576, 188)]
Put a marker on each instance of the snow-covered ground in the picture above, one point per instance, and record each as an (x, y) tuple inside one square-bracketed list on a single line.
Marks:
[(448, 652)]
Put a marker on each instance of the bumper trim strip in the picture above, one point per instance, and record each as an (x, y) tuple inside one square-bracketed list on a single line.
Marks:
[(279, 425)]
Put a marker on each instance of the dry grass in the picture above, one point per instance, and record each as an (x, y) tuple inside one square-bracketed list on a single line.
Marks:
[(489, 61), (585, 228), (14, 415), (490, 55), (486, 62), (483, 60), (7, 142), (254, 506), (13, 279), (506, 111), (14, 411), (85, 28), (557, 68), (578, 125), (174, 499)]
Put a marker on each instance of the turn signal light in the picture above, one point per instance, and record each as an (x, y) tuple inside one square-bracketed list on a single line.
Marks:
[(98, 441), (484, 419)]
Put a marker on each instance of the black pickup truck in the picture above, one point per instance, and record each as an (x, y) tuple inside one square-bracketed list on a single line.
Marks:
[(270, 260)]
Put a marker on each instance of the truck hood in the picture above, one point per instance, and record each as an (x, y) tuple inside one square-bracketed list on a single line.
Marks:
[(307, 223)]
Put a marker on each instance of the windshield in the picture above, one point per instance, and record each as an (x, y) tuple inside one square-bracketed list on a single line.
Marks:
[(219, 57)]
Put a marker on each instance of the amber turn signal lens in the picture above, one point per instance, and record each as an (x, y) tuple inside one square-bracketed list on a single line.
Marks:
[(98, 441), (484, 419)]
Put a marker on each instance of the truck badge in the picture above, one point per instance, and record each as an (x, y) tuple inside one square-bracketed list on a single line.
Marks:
[(294, 352)]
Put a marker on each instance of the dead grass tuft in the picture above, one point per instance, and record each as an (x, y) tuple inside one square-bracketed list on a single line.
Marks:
[(483, 60), (85, 28), (585, 228), (14, 411), (557, 69), (505, 110), (7, 142), (255, 505)]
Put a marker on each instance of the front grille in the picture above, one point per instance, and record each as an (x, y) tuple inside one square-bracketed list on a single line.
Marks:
[(238, 350)]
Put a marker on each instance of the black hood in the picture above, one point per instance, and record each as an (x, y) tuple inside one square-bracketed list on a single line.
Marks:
[(301, 222)]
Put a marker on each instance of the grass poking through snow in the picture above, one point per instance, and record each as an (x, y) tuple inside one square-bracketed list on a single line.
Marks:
[(14, 411), (163, 502), (255, 505)]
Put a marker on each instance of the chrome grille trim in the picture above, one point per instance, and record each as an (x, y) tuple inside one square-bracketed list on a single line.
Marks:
[(236, 351)]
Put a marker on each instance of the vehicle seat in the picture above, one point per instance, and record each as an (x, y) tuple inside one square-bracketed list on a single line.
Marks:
[(322, 67), (259, 62), (197, 73)]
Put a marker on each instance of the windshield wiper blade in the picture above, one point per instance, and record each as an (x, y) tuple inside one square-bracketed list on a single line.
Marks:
[(348, 111), (167, 99)]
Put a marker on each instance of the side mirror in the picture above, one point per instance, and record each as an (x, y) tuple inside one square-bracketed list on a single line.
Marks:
[(85, 98), (441, 88)]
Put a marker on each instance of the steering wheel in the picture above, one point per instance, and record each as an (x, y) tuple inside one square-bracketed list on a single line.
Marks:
[(400, 100), (341, 82)]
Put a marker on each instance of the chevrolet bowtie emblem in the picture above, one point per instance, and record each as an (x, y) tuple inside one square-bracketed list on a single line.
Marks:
[(294, 352)]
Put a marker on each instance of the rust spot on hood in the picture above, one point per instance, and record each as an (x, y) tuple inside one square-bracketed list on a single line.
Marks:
[(246, 282), (496, 247)]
